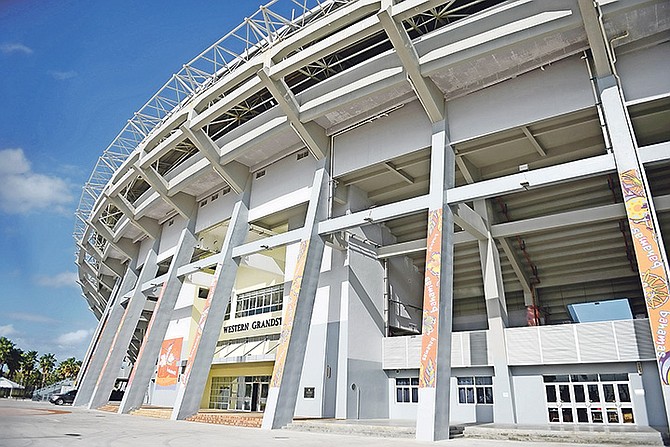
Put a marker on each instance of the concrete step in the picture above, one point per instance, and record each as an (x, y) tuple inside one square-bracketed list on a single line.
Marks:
[(253, 420), (153, 412), (361, 428), (633, 436), (110, 408)]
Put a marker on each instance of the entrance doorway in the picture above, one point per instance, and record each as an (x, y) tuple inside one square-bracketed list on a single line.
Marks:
[(242, 393), (589, 399)]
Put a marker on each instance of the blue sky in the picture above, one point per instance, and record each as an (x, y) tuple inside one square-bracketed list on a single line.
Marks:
[(73, 73)]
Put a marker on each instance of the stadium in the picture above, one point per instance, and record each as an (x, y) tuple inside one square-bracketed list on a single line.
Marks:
[(448, 212)]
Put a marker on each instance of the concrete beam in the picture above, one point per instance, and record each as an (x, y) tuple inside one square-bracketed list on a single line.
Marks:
[(471, 172), (122, 244), (313, 135), (595, 37), (201, 264), (551, 175), (536, 144), (471, 222), (376, 215), (180, 202), (234, 173), (516, 265), (430, 96), (402, 175), (268, 243), (145, 224)]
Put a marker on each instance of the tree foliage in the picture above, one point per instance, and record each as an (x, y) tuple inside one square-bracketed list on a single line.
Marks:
[(32, 370)]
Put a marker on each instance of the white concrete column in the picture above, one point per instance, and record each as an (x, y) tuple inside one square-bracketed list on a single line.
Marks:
[(298, 308), (496, 308), (194, 379), (89, 377), (145, 364), (124, 333), (432, 421), (650, 252), (98, 331)]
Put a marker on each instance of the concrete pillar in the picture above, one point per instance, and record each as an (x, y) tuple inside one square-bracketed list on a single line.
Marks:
[(89, 377), (98, 331), (194, 379), (124, 333), (650, 251), (496, 308), (432, 422), (153, 338), (298, 308)]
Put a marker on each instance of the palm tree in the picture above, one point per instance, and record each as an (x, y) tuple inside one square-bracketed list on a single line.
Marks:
[(47, 365), (14, 362), (6, 347), (27, 365), (69, 368)]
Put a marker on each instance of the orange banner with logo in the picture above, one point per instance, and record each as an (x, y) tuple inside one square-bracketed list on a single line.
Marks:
[(651, 266), (431, 301), (169, 361)]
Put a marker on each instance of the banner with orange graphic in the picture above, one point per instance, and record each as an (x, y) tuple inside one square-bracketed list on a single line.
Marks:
[(651, 266), (169, 361), (431, 301)]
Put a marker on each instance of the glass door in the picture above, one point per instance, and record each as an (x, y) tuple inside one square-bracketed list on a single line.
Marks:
[(589, 399)]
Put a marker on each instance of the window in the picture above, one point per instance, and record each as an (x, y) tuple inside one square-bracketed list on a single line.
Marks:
[(269, 299), (407, 390), (475, 390), (302, 155)]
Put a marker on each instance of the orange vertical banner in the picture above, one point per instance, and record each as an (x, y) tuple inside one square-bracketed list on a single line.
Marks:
[(168, 362), (431, 301), (653, 272)]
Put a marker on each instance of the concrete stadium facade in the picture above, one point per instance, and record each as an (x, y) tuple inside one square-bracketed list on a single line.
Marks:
[(390, 209)]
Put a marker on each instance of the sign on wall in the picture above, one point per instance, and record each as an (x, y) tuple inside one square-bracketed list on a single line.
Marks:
[(169, 361)]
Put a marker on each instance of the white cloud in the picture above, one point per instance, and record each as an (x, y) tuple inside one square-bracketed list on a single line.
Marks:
[(63, 279), (63, 75), (9, 48), (74, 338), (24, 191), (35, 318), (7, 330)]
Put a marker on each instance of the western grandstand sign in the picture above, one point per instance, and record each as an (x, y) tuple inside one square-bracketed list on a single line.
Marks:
[(255, 327)]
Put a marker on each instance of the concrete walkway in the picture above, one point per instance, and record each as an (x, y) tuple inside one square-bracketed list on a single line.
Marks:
[(39, 424)]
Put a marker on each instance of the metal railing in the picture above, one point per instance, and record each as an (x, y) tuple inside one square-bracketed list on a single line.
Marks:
[(261, 30)]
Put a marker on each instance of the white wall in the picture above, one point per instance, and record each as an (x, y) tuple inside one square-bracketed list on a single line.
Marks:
[(215, 211), (404, 130), (366, 322), (560, 88), (645, 72), (170, 235), (286, 176)]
